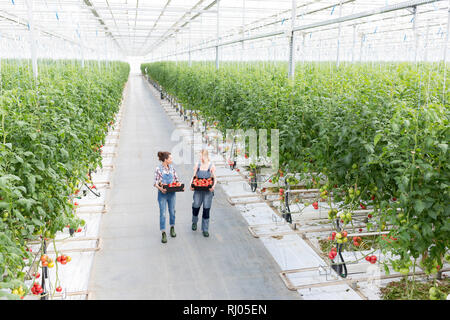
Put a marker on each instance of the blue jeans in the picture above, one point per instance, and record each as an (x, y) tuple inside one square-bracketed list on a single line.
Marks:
[(202, 197), (164, 198)]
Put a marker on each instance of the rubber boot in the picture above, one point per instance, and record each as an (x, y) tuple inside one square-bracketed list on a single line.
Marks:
[(172, 232), (205, 222), (164, 238), (195, 212)]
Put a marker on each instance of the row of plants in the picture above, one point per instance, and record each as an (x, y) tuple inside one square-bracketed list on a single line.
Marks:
[(377, 133), (51, 130)]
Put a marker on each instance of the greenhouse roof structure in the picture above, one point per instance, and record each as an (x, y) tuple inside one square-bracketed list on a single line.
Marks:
[(159, 29)]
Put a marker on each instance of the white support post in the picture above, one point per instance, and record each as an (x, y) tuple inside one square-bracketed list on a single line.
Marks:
[(292, 41), (176, 48), (303, 48), (354, 43), (243, 30), (361, 47), (32, 38), (82, 51), (190, 61), (425, 54), (218, 33), (445, 53), (339, 35), (416, 36)]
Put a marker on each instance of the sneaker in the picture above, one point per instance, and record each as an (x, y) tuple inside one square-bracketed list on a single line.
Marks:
[(172, 232), (205, 234), (194, 226), (164, 238)]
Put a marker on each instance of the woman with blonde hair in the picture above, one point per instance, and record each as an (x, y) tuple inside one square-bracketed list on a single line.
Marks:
[(204, 169)]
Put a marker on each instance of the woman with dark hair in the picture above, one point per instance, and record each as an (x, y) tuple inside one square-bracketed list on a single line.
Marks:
[(164, 174)]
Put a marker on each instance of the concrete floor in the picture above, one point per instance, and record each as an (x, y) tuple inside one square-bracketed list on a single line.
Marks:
[(134, 264)]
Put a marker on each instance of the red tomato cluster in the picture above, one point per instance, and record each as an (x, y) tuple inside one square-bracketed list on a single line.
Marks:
[(357, 241), (63, 259), (315, 205), (332, 254), (384, 237), (202, 182), (372, 259), (36, 289), (174, 184)]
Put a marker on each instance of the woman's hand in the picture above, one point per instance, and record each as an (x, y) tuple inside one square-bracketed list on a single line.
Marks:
[(161, 189), (211, 189)]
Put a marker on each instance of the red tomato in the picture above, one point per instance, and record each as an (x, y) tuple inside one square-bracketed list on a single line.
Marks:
[(58, 289)]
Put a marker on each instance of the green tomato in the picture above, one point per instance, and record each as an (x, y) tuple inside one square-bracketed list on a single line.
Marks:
[(358, 192), (404, 271), (339, 240), (338, 235), (354, 166), (433, 291)]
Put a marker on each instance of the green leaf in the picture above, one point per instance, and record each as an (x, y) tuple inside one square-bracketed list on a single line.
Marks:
[(419, 206), (443, 147), (377, 138)]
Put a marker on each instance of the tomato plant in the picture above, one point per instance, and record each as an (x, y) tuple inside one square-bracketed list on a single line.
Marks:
[(48, 129), (377, 133)]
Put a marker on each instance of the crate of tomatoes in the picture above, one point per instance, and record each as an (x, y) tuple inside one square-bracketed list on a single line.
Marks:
[(202, 184), (174, 187)]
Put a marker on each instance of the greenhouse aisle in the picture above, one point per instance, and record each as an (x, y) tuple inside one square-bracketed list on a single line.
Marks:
[(134, 264)]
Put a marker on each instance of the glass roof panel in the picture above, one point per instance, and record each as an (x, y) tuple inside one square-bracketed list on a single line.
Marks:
[(158, 27)]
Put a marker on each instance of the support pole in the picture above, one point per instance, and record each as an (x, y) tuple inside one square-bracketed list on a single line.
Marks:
[(190, 61), (354, 42), (416, 36), (445, 52), (291, 74), (218, 32), (361, 47), (339, 36), (32, 38), (243, 30), (425, 54)]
